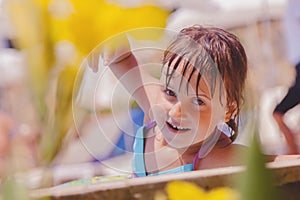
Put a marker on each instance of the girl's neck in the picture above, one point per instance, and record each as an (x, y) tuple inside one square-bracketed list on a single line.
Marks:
[(186, 155)]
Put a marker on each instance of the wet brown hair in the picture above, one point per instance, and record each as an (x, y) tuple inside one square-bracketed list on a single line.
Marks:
[(211, 50)]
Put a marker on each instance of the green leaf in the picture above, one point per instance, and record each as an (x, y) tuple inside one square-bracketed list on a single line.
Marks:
[(12, 190), (257, 182)]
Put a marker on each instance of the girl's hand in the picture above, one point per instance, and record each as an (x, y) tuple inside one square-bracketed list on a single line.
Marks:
[(112, 51), (116, 50)]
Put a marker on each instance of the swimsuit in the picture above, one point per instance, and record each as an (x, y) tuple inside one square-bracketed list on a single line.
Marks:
[(138, 163)]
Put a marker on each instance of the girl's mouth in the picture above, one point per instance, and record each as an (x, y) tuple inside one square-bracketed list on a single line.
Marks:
[(175, 128)]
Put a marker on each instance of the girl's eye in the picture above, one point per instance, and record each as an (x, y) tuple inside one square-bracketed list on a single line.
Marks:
[(170, 93), (198, 101)]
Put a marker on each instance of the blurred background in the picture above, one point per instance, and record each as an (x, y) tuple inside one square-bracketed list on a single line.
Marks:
[(43, 45)]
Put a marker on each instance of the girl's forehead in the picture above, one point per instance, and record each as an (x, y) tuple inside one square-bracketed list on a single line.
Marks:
[(185, 79)]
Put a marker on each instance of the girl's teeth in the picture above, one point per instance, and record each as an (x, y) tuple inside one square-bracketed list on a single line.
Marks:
[(178, 128)]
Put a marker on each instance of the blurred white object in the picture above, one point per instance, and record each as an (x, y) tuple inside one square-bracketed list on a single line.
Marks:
[(223, 13), (11, 66), (271, 138), (8, 57), (65, 53)]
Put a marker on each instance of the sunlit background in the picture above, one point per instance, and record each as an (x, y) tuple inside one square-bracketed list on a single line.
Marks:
[(43, 43)]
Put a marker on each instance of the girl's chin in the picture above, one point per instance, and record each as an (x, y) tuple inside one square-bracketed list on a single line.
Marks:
[(177, 141), (174, 145), (180, 141)]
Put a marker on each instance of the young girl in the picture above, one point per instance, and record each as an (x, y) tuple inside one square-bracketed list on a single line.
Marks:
[(198, 96)]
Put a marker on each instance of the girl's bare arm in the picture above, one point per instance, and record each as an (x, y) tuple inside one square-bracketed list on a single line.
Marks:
[(117, 54), (137, 81)]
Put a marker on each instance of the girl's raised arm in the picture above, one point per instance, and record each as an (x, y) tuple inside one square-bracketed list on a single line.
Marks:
[(118, 56)]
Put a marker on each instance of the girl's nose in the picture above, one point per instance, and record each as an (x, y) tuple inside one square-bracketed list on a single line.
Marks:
[(176, 110)]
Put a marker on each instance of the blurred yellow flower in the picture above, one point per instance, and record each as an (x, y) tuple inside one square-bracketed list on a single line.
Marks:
[(88, 23), (223, 193), (180, 190)]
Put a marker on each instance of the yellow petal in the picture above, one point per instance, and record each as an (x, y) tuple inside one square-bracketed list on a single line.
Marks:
[(179, 190), (223, 193)]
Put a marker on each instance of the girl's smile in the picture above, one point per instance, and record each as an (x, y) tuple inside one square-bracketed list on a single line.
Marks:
[(176, 128)]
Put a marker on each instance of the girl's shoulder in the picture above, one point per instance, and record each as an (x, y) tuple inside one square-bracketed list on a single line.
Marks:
[(227, 156)]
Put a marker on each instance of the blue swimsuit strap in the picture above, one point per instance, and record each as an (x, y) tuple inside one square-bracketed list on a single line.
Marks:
[(138, 156)]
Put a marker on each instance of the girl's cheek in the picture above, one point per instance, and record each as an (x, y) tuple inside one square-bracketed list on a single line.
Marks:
[(163, 102), (202, 120)]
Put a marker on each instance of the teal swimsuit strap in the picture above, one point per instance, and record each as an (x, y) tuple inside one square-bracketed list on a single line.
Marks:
[(138, 156), (183, 168)]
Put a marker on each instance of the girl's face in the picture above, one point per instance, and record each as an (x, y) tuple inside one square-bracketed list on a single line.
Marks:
[(183, 117)]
